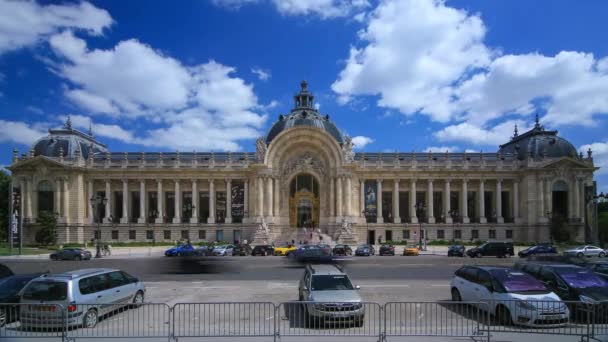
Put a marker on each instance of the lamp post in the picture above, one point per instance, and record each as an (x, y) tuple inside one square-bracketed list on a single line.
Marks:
[(550, 218), (591, 198), (420, 208), (96, 201)]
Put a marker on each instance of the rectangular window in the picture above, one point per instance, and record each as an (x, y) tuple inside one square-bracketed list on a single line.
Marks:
[(132, 235), (387, 206), (101, 209), (474, 234), (152, 206), (117, 207), (509, 233), (389, 235), (167, 234), (440, 234), (404, 207), (185, 234), (115, 235), (203, 206), (202, 234), (149, 234), (457, 234), (186, 206), (134, 207), (438, 206), (492, 234), (406, 234), (169, 206), (219, 235)]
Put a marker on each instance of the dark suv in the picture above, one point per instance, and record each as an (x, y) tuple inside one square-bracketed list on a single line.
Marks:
[(497, 249), (387, 250), (263, 250)]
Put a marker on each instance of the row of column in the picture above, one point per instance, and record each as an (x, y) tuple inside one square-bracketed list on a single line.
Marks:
[(340, 203), (545, 203), (268, 196), (61, 200), (160, 199)]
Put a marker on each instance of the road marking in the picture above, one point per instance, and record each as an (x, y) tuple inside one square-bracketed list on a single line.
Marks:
[(440, 285)]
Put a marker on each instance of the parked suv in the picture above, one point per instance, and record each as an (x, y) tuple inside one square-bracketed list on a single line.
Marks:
[(497, 249), (263, 250), (331, 296), (85, 294)]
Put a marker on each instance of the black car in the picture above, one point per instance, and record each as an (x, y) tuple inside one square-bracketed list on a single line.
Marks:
[(263, 250), (599, 267), (342, 250), (241, 250), (71, 254), (497, 249), (5, 271), (9, 294), (387, 250), (569, 282), (365, 250), (456, 250), (538, 249)]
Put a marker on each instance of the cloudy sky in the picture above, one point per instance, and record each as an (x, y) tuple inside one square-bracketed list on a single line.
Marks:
[(398, 75)]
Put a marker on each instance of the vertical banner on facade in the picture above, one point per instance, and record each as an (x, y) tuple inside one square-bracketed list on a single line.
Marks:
[(15, 217), (237, 194), (371, 193)]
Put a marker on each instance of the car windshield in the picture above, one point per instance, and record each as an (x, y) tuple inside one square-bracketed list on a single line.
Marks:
[(364, 246), (331, 283), (515, 281), (411, 246), (46, 290), (13, 284), (580, 278)]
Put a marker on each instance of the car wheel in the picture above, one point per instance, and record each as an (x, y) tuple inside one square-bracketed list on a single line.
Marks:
[(478, 255), (602, 254), (138, 299), (456, 295), (503, 316), (90, 319), (580, 255)]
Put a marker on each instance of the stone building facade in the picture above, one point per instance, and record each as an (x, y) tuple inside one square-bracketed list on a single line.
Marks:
[(304, 174)]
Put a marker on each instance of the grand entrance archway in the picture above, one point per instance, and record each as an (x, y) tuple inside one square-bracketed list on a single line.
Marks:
[(304, 201)]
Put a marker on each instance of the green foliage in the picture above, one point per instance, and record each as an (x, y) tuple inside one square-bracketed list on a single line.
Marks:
[(5, 181), (47, 235)]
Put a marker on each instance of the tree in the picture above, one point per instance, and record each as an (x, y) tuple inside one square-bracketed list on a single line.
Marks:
[(47, 235), (5, 181)]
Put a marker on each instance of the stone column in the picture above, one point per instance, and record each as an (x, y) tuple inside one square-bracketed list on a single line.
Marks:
[(577, 200), (66, 199), (211, 218), (91, 194), (260, 189), (430, 202), (446, 202), (159, 201), (277, 198), (125, 202), (380, 218), (58, 191), (482, 202), (396, 216), (348, 196), (413, 217), (195, 197), (109, 202), (228, 201), (142, 201), (465, 205), (332, 197), (178, 203), (548, 199), (499, 218), (268, 204), (362, 198), (541, 200), (339, 201), (246, 198), (516, 201)]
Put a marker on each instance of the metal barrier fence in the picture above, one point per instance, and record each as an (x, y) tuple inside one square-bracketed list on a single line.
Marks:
[(304, 319)]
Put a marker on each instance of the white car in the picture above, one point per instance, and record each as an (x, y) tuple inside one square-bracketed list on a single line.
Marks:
[(513, 297), (586, 251), (223, 250)]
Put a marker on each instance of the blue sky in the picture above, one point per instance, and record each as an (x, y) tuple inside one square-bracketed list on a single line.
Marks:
[(399, 75)]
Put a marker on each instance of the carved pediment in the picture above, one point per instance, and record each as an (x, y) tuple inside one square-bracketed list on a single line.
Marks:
[(305, 162)]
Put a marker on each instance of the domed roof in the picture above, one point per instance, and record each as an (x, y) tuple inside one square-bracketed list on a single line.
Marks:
[(538, 143), (66, 141), (304, 114)]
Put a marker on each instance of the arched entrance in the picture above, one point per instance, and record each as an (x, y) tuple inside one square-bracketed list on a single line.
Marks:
[(304, 201), (560, 199)]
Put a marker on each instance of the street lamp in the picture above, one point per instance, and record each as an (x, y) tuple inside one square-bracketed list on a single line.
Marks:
[(549, 216), (420, 208), (96, 201)]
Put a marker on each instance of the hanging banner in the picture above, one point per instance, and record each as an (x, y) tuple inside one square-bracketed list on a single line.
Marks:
[(371, 193), (237, 194), (220, 206), (15, 217)]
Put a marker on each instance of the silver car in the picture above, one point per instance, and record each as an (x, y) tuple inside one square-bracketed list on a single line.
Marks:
[(223, 250), (330, 295), (586, 251), (87, 295)]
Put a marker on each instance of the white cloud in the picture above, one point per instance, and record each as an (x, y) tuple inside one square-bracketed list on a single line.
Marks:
[(600, 155), (101, 130), (19, 132), (233, 4), (25, 23), (361, 141), (441, 149), (262, 74), (323, 8), (477, 135)]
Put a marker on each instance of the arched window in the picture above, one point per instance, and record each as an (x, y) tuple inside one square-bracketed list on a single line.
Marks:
[(45, 197)]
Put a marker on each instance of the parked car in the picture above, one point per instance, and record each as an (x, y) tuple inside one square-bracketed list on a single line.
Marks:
[(365, 250), (204, 251), (263, 250), (223, 250), (312, 253), (86, 294), (71, 254), (497, 249), (538, 249), (456, 250), (241, 250), (569, 282), (411, 250), (386, 250), (5, 271), (180, 250), (599, 267), (511, 295), (330, 296), (9, 294), (586, 251), (342, 250), (282, 250)]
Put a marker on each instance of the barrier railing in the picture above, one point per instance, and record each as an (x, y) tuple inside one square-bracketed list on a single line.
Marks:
[(477, 320)]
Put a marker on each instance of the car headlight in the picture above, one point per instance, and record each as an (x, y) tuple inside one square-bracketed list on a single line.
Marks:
[(525, 305), (587, 300)]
